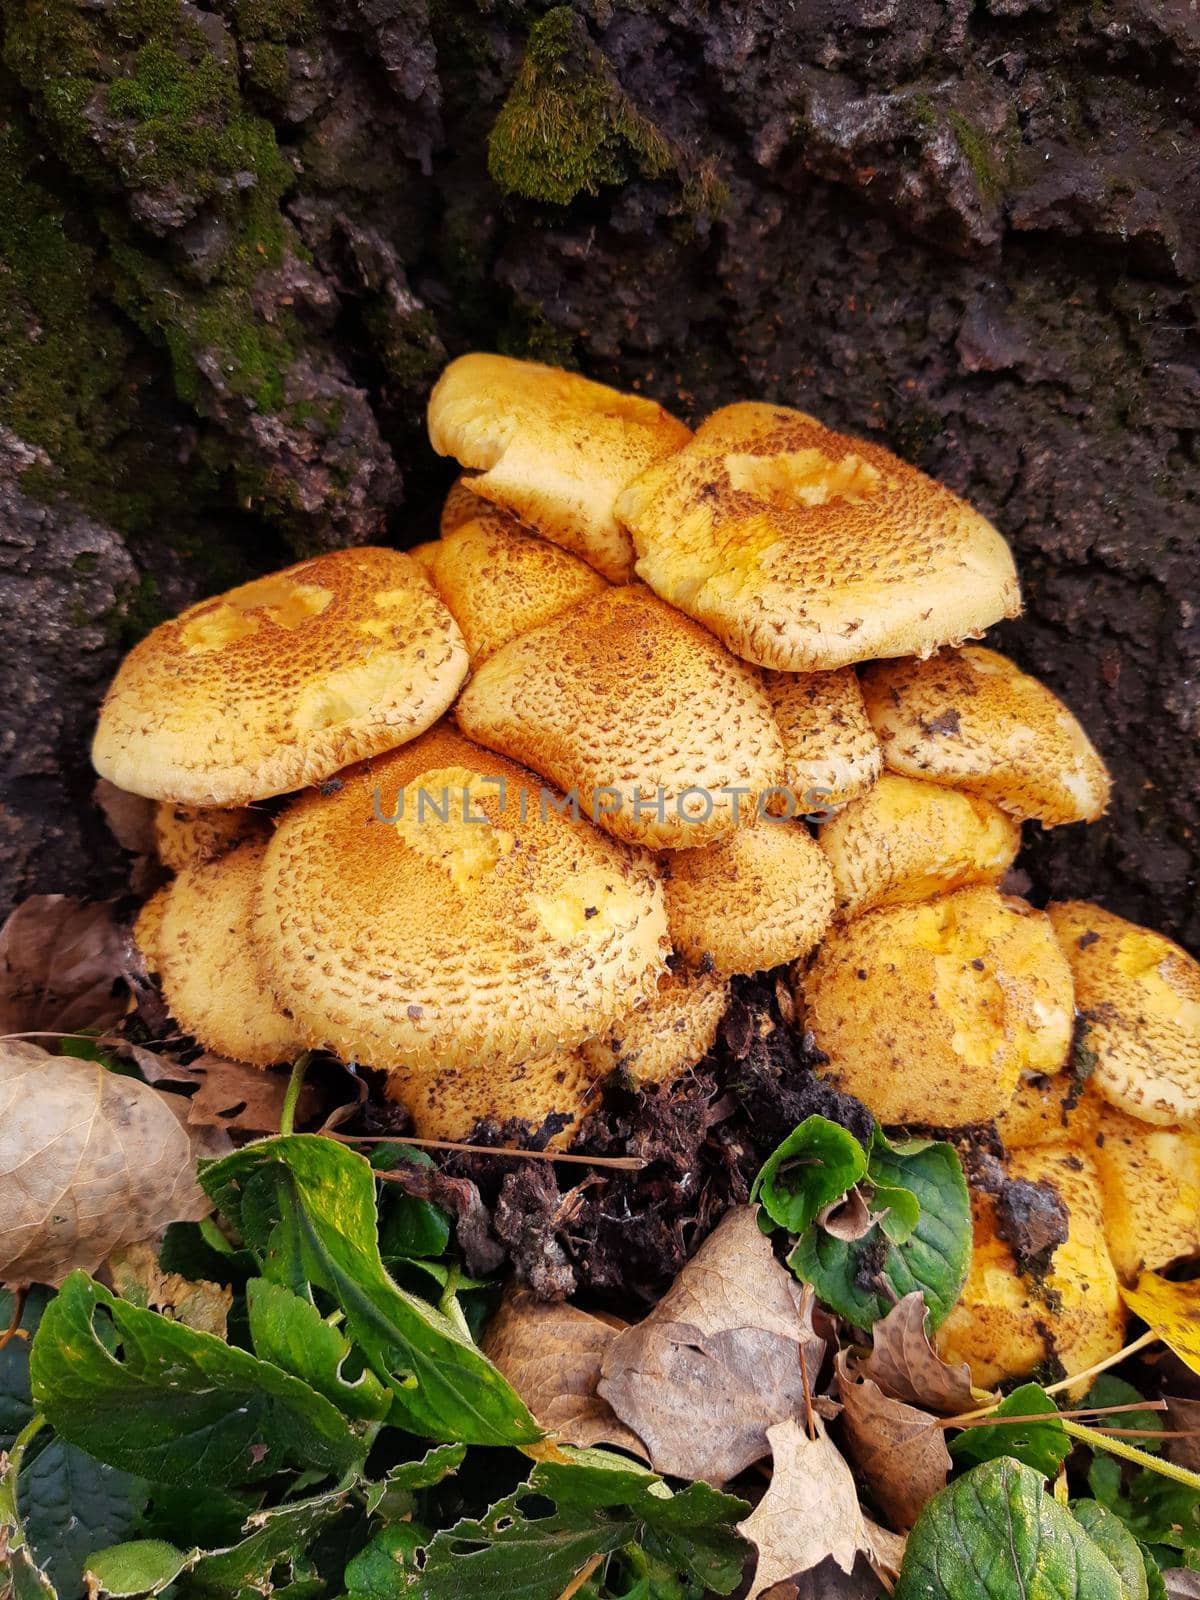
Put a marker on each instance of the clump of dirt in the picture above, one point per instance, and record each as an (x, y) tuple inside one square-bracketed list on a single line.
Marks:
[(1032, 1220)]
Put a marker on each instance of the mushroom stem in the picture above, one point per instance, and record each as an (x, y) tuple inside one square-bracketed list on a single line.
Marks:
[(287, 1117)]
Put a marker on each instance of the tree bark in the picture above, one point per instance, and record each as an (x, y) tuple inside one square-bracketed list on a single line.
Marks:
[(243, 239)]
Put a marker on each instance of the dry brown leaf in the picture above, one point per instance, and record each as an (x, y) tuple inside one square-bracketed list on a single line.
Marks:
[(1183, 1416), (810, 1512), (899, 1450), (849, 1218), (62, 966), (551, 1354), (138, 1277), (718, 1360), (88, 1161), (905, 1365), (130, 817), (827, 1581), (229, 1094), (887, 1549)]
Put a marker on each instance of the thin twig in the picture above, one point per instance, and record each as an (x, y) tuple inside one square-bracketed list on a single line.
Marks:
[(618, 1163), (582, 1576), (1149, 1337), (14, 1329), (1047, 1416), (1129, 1452)]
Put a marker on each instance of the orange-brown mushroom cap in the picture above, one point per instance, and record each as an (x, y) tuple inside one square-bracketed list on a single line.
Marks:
[(553, 448), (1150, 1183), (665, 1035), (281, 682), (449, 1102), (666, 738), (435, 912), (831, 754), (805, 549), (184, 835), (971, 718)]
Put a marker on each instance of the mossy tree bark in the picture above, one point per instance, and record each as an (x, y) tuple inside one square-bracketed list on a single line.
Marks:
[(240, 238)]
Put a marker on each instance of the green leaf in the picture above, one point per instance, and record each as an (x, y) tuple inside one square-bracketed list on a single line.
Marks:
[(175, 1404), (1117, 1543), (1110, 1391), (408, 1227), (197, 1251), (601, 1503), (291, 1333), (326, 1226), (143, 1566), (372, 1574), (392, 1495), (901, 1210), (814, 1166), (71, 1504), (996, 1533), (1041, 1445), (933, 1259), (23, 1578), (1155, 1509), (16, 1406)]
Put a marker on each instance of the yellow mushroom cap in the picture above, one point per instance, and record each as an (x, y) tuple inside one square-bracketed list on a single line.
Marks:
[(906, 840), (831, 754), (553, 448), (1150, 1181), (447, 1103), (499, 582), (462, 504), (425, 555), (753, 901), (281, 682), (637, 709), (438, 938), (184, 835), (667, 1034), (929, 1013), (973, 719), (1140, 996), (1004, 1326), (1046, 1109), (805, 549), (198, 935)]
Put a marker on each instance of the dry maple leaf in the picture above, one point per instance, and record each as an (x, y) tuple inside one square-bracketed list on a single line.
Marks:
[(138, 1278), (229, 1094), (899, 1450), (551, 1352), (62, 966), (718, 1360), (130, 817), (905, 1365), (88, 1161)]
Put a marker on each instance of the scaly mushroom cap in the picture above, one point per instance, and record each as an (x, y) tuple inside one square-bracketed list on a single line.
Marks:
[(1140, 997), (805, 549), (499, 582), (553, 448), (973, 719), (450, 1102), (831, 754), (440, 938), (463, 505), (1005, 1325), (188, 835), (198, 935), (668, 1034), (1047, 1110), (750, 902), (1150, 1183), (281, 682), (425, 555), (929, 1013), (905, 840), (624, 700)]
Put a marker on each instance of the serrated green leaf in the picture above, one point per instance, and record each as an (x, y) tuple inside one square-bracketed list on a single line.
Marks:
[(325, 1226), (23, 1578), (1117, 1543), (291, 1333), (409, 1228), (403, 1481), (901, 1210), (933, 1259), (995, 1534), (814, 1166), (1041, 1445), (71, 1504), (176, 1405), (141, 1566), (16, 1407), (372, 1574), (1156, 1510)]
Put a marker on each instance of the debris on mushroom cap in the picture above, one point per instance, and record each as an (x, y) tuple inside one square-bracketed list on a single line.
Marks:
[(1150, 1182), (753, 901), (184, 835), (553, 448), (831, 754), (448, 1103), (198, 935), (499, 582), (1006, 1325), (907, 840), (640, 711), (397, 926), (805, 549), (1047, 1110), (973, 719), (666, 1035), (929, 1013), (1140, 996), (281, 682)]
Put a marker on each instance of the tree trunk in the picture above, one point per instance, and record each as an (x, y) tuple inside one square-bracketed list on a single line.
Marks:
[(238, 242)]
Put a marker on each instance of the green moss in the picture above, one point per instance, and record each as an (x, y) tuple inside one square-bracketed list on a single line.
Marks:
[(268, 69), (974, 145), (705, 192), (924, 112), (279, 21), (137, 610), (566, 127), (530, 335)]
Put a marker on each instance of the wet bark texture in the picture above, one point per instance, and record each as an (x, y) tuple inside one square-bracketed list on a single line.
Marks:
[(239, 241)]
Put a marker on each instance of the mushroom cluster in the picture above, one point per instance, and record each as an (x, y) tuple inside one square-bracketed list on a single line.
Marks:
[(503, 815)]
